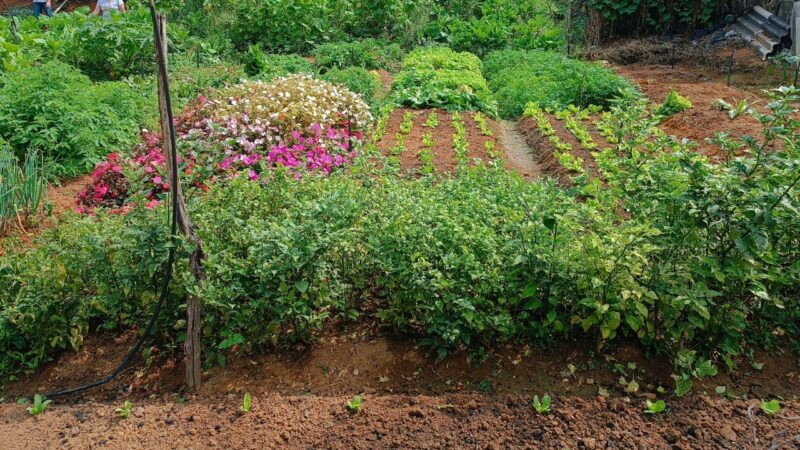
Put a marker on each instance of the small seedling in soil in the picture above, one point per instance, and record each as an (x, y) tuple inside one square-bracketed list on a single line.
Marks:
[(246, 403), (125, 411), (655, 407), (542, 406), (771, 407), (354, 405), (39, 405)]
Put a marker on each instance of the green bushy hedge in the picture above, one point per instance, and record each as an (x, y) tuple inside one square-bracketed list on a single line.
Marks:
[(358, 80), (552, 80), (73, 122), (369, 53)]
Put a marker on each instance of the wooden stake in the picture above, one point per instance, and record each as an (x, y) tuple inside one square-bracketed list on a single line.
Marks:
[(192, 344)]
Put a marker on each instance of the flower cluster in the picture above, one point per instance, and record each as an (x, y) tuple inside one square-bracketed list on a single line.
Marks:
[(301, 124), (109, 187)]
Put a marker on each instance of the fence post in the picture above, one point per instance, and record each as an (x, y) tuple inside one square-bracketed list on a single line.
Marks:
[(192, 344)]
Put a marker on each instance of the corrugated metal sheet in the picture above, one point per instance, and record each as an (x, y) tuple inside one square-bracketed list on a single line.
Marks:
[(765, 31)]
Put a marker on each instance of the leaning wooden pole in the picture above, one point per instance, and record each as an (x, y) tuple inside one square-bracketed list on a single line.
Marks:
[(192, 344)]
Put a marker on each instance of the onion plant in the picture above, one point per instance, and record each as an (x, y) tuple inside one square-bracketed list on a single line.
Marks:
[(22, 188)]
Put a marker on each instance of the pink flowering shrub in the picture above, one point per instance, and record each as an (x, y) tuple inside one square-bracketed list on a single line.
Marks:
[(109, 187)]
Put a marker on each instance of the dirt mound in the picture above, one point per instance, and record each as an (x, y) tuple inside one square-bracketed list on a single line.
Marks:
[(702, 121)]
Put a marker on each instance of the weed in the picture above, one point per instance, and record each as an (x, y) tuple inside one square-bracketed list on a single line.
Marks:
[(542, 406)]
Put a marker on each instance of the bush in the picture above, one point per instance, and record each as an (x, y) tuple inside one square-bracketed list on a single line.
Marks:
[(369, 54), (58, 111), (357, 80), (290, 104), (288, 26), (441, 78), (549, 79), (506, 24)]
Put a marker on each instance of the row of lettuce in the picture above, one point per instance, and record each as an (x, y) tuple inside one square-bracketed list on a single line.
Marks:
[(695, 260)]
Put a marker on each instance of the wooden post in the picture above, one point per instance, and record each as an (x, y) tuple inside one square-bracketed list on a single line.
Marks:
[(192, 344), (569, 28)]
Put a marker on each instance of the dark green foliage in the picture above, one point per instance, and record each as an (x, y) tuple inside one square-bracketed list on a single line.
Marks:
[(549, 79), (56, 110), (369, 54), (358, 80)]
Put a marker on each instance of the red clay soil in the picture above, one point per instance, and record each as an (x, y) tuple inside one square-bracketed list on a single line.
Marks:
[(444, 158), (410, 401), (702, 121), (61, 199)]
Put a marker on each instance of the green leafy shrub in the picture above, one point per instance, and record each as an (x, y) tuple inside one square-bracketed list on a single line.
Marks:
[(673, 104), (505, 24), (549, 79), (358, 80), (56, 110), (286, 26), (369, 54)]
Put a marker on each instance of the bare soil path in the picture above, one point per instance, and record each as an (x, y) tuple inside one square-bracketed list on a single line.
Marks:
[(517, 151)]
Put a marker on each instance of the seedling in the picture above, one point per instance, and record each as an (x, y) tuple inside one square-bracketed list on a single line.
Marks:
[(39, 405), (542, 406), (354, 405), (655, 407), (771, 407), (125, 411), (246, 403)]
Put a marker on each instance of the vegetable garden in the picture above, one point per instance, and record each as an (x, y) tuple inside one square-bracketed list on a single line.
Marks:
[(347, 168)]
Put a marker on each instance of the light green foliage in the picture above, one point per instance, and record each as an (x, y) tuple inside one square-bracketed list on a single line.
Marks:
[(542, 406), (355, 404), (368, 54), (441, 78), (673, 104), (552, 80), (771, 408), (125, 411), (246, 403), (55, 110), (656, 407), (39, 405)]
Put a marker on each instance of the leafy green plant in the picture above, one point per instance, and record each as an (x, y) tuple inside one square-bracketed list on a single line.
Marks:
[(246, 403), (771, 408), (368, 54), (656, 407), (125, 411), (542, 406), (673, 104), (354, 405), (73, 123), (39, 405)]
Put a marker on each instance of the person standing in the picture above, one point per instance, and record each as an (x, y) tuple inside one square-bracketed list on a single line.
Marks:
[(104, 7), (42, 6)]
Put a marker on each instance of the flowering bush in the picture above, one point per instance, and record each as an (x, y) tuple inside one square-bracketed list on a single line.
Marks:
[(109, 187), (289, 104)]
